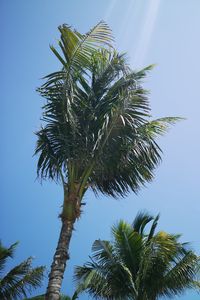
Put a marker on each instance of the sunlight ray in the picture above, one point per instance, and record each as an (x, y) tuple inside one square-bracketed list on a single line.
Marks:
[(109, 10), (146, 33), (130, 14)]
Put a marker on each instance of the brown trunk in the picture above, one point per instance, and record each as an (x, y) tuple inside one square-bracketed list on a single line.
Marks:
[(59, 261), (71, 211)]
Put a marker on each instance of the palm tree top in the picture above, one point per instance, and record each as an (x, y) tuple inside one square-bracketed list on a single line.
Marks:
[(97, 129), (139, 263)]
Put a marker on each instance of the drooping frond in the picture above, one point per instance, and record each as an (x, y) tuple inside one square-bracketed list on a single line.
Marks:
[(6, 253), (48, 162), (140, 221)]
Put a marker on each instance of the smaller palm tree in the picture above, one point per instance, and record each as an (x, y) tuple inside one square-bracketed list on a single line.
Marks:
[(138, 265), (21, 279)]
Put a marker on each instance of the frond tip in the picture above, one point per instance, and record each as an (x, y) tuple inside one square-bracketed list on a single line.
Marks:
[(77, 48), (159, 126)]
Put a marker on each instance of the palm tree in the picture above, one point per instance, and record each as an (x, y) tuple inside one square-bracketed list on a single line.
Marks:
[(97, 131), (138, 265), (21, 279)]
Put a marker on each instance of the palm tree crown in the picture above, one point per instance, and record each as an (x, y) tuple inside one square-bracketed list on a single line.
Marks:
[(139, 265), (20, 280), (98, 131)]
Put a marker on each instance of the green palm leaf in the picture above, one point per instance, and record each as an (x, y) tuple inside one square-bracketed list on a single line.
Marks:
[(77, 50), (6, 253)]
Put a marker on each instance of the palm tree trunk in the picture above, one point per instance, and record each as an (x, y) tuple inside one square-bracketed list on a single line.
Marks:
[(71, 211), (59, 261)]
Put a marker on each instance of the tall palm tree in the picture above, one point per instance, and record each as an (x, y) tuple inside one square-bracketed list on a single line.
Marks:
[(20, 280), (97, 131), (138, 265)]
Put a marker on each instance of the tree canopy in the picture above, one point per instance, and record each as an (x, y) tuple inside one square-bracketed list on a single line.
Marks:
[(98, 129)]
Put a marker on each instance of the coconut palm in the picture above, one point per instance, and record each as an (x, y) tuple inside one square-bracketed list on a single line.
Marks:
[(20, 280), (97, 131), (138, 265)]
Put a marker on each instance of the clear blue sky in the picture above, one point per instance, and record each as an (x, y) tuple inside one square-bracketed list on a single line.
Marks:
[(161, 32)]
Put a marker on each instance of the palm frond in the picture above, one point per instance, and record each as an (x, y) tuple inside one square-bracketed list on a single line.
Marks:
[(77, 47), (48, 163), (77, 50), (128, 245), (181, 274), (153, 227), (159, 126), (20, 280), (6, 253), (140, 221)]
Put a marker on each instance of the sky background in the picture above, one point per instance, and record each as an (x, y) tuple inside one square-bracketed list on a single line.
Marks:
[(164, 32)]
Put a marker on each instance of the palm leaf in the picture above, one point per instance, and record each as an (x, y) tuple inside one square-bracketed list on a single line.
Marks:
[(6, 253), (77, 50), (181, 274), (140, 221), (159, 126), (20, 280)]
